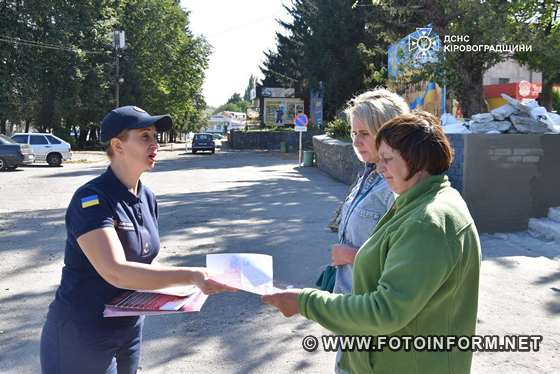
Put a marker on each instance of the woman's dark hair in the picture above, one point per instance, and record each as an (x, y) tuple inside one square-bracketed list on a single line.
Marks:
[(123, 136), (420, 139)]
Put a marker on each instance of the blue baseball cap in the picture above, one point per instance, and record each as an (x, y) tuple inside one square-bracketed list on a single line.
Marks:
[(131, 117)]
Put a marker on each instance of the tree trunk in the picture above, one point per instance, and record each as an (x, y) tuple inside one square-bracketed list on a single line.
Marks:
[(2, 126), (83, 136), (76, 129), (471, 94), (547, 84)]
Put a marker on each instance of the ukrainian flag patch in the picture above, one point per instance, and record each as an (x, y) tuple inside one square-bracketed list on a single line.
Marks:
[(90, 201)]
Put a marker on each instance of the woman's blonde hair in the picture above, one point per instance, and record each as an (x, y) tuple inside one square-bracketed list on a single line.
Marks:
[(375, 107)]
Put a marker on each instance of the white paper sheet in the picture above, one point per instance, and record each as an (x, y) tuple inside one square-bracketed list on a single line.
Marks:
[(249, 272), (175, 291)]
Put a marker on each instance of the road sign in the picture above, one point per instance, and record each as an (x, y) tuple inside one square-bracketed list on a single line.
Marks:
[(300, 125), (300, 122)]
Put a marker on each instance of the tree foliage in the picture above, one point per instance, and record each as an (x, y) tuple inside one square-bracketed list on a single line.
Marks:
[(57, 65), (234, 104), (482, 23), (163, 65), (250, 87), (537, 23), (343, 44), (326, 41)]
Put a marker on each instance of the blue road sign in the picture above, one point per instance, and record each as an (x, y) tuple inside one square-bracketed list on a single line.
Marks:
[(300, 122)]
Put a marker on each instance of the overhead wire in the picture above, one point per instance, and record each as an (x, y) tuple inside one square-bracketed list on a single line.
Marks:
[(31, 43)]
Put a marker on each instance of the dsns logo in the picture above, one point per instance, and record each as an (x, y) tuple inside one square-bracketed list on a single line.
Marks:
[(423, 45)]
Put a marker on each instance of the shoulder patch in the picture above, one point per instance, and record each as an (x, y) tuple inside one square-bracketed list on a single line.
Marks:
[(90, 201)]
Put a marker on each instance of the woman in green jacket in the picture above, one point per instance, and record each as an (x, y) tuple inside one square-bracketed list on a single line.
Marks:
[(417, 275)]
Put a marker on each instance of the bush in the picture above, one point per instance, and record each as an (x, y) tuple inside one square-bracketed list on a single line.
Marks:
[(556, 100), (338, 128)]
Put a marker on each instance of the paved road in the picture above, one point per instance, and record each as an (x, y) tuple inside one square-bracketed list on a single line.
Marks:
[(243, 202)]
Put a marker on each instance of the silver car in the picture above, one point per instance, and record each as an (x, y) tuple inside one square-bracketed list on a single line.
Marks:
[(46, 147)]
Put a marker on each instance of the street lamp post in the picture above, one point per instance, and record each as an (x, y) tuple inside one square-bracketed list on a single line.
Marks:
[(118, 44)]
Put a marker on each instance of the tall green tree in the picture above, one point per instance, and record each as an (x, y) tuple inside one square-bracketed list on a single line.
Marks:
[(57, 69), (234, 104), (163, 67), (54, 68), (482, 22), (250, 87), (537, 24), (320, 44)]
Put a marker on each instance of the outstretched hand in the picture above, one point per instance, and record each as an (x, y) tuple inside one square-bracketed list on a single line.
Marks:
[(286, 302), (209, 286)]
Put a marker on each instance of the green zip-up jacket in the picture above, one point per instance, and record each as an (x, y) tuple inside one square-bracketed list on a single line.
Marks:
[(417, 275)]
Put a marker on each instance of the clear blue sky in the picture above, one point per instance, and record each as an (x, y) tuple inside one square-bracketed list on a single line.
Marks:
[(239, 32)]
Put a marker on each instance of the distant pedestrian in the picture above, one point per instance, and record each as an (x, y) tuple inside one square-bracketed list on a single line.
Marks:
[(280, 116)]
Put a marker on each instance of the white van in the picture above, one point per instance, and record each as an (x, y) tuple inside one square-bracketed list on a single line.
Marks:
[(46, 147)]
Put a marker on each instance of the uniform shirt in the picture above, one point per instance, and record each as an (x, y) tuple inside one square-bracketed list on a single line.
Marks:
[(364, 206), (104, 202)]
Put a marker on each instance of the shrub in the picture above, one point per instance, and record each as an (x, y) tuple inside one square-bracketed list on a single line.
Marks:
[(556, 100), (338, 128)]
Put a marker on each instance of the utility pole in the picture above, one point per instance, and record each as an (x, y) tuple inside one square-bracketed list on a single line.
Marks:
[(117, 83), (118, 44)]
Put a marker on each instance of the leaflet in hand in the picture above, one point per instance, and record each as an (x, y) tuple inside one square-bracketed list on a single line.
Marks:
[(249, 272)]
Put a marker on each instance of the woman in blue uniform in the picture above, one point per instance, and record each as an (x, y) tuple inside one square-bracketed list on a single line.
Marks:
[(112, 241)]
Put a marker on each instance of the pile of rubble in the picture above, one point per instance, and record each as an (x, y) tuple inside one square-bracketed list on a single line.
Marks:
[(512, 118)]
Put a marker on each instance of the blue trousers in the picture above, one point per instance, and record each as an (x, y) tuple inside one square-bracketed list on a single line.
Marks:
[(69, 348)]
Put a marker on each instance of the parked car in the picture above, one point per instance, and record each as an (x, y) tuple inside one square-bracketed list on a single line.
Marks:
[(46, 147), (13, 154), (203, 142), (217, 136)]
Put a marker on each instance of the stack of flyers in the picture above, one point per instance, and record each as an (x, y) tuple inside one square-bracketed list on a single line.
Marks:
[(135, 303)]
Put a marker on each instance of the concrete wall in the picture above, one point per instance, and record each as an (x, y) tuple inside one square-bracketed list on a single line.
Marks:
[(510, 178), (270, 139), (504, 178), (455, 172)]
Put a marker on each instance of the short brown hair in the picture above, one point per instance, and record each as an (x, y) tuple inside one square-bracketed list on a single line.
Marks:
[(122, 136), (420, 140)]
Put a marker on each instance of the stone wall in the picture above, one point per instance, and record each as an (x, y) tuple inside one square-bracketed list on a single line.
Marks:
[(336, 158), (269, 140), (505, 179)]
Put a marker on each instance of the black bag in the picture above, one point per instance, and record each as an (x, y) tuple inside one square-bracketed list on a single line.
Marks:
[(326, 279)]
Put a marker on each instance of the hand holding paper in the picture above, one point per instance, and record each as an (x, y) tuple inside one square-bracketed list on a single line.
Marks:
[(286, 301), (249, 272), (208, 285)]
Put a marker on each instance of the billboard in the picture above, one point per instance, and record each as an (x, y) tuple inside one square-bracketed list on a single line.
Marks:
[(277, 92)]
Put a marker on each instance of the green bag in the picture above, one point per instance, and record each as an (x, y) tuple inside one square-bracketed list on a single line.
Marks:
[(326, 279)]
